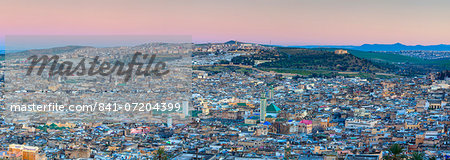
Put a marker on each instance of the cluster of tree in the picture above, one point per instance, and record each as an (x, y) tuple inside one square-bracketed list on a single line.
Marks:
[(200, 53), (395, 152), (160, 154), (272, 55), (442, 75), (297, 58), (321, 60), (244, 60), (214, 69)]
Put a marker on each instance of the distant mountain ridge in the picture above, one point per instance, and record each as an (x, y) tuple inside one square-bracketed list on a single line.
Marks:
[(366, 47), (49, 51), (400, 47), (385, 47), (55, 50), (233, 42)]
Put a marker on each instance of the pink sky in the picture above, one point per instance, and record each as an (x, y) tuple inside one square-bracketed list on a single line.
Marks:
[(284, 22)]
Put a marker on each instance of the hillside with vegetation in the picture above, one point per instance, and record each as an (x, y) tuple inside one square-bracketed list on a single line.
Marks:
[(425, 65), (313, 62)]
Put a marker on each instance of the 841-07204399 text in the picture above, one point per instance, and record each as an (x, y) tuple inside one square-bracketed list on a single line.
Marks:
[(101, 107)]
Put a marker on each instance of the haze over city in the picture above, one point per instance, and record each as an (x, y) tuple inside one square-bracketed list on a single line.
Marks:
[(290, 22)]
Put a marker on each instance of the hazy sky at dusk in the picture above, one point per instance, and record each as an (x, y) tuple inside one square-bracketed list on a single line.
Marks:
[(284, 22)]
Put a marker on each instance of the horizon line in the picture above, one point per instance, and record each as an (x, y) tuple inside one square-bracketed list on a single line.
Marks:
[(2, 47)]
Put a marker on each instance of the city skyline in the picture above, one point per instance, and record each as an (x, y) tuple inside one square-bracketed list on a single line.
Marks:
[(225, 80)]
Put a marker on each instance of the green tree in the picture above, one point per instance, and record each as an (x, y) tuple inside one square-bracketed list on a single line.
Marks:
[(395, 153), (53, 126), (417, 156), (160, 154)]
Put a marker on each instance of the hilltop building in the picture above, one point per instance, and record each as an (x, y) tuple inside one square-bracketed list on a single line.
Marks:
[(340, 51)]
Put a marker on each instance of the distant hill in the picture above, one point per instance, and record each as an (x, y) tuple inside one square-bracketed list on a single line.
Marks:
[(402, 60), (50, 51), (387, 57), (286, 58), (402, 47), (233, 42), (227, 42), (56, 50), (385, 47)]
